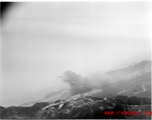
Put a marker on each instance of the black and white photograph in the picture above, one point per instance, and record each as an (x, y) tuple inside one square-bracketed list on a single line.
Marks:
[(75, 59)]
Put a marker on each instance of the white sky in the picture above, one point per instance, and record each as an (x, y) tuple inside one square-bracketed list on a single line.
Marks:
[(40, 41)]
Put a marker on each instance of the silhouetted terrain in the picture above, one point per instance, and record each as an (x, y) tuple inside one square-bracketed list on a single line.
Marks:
[(82, 108), (21, 112)]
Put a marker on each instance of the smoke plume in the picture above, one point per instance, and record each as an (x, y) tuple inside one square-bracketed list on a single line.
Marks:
[(79, 84)]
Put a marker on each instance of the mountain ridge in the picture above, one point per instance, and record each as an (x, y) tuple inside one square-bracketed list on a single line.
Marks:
[(119, 75), (82, 108)]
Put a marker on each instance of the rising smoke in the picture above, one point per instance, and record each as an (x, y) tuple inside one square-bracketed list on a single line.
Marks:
[(79, 84)]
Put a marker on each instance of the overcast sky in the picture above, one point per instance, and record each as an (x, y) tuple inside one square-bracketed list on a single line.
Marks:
[(40, 41)]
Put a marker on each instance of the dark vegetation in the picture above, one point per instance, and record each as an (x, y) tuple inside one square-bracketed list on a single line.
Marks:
[(82, 108), (21, 112)]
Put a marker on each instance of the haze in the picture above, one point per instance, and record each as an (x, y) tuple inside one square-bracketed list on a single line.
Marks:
[(40, 41)]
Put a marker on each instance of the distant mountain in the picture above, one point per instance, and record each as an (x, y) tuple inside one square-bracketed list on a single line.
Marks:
[(131, 73), (53, 96), (127, 72), (61, 94), (133, 70)]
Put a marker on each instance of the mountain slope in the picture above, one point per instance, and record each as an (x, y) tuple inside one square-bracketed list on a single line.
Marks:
[(82, 108), (95, 108), (128, 78)]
